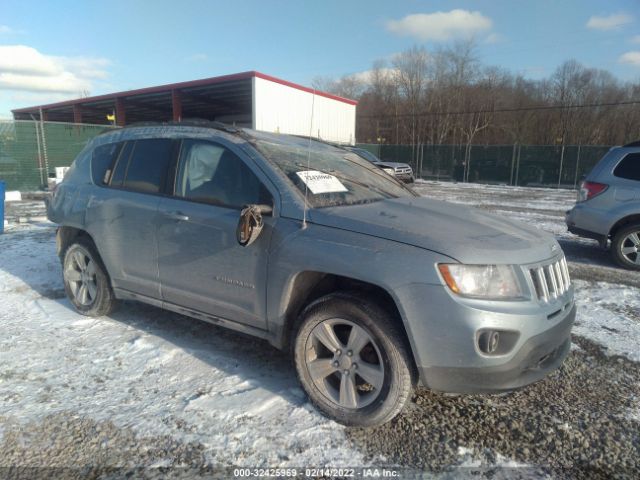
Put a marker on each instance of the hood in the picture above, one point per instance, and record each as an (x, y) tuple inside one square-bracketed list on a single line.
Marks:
[(461, 232), (392, 164)]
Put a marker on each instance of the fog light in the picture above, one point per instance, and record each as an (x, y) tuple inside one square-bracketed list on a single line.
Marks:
[(488, 341)]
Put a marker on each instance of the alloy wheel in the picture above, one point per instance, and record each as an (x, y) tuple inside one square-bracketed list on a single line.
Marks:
[(344, 363), (630, 247), (80, 273)]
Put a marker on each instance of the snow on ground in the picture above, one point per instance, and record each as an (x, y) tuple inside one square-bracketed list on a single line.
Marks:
[(153, 371), (543, 207), (522, 198), (609, 315)]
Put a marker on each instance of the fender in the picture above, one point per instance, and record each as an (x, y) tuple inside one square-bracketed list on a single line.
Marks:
[(319, 250)]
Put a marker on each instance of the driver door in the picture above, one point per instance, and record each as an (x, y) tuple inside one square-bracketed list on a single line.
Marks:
[(201, 265)]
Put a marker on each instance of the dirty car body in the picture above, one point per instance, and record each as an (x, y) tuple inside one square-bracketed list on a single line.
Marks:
[(478, 303)]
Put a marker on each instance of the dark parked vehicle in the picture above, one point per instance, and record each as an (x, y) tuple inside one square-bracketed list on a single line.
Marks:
[(402, 171), (372, 288), (608, 205)]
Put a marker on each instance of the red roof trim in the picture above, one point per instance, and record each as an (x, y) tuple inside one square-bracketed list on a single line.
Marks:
[(181, 85), (304, 89)]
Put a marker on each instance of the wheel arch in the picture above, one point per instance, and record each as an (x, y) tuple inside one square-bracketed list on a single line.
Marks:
[(308, 286), (624, 222), (67, 235)]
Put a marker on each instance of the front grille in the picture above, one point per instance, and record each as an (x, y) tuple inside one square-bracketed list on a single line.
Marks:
[(403, 170), (551, 280)]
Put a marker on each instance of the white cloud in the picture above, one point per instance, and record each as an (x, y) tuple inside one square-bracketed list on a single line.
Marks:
[(64, 82), (23, 68), (85, 67), (441, 26), (609, 22), (630, 58)]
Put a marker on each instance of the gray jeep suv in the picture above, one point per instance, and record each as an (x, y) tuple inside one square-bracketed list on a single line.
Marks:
[(608, 205), (372, 288)]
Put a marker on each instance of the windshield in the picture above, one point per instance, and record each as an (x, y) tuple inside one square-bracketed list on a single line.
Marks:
[(329, 175)]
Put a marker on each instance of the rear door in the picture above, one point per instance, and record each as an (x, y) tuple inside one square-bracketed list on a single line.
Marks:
[(627, 183), (123, 215), (201, 264)]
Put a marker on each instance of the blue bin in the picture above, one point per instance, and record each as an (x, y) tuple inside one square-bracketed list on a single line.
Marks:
[(2, 186)]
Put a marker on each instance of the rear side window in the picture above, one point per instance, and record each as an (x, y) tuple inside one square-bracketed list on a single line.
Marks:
[(143, 165), (102, 162), (629, 167)]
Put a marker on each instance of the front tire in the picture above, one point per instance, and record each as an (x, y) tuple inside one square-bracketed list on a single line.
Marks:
[(85, 280), (625, 247), (352, 360)]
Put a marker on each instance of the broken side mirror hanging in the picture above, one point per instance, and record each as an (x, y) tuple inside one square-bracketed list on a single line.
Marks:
[(251, 223)]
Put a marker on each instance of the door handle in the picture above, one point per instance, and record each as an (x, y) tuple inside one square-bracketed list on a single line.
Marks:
[(177, 216)]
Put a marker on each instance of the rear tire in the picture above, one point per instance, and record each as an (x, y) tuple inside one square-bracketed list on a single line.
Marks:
[(352, 360), (625, 247), (85, 279)]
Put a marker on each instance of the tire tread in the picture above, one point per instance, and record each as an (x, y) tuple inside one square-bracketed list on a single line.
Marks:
[(399, 348)]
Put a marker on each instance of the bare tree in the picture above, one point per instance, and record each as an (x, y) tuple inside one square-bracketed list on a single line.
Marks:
[(446, 96), (411, 70)]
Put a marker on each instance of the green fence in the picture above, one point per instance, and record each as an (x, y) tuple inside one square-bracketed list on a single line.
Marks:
[(533, 165), (30, 151)]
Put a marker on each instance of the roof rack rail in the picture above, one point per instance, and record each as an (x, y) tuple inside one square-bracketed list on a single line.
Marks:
[(633, 144), (320, 140), (189, 122)]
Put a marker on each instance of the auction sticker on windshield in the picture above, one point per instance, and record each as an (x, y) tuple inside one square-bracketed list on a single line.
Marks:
[(320, 182)]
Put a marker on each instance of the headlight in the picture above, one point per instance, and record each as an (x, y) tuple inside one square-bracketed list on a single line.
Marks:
[(390, 171), (498, 282)]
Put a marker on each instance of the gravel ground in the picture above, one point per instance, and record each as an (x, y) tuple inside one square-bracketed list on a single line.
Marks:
[(583, 421), (573, 424)]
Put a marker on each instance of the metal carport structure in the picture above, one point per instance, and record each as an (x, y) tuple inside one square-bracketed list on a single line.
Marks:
[(250, 99)]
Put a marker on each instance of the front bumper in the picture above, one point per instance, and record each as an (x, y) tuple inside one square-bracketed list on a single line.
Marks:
[(536, 358), (405, 177), (446, 334)]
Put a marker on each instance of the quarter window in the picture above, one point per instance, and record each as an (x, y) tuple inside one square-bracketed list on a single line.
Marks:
[(629, 167), (211, 173), (120, 168), (102, 162)]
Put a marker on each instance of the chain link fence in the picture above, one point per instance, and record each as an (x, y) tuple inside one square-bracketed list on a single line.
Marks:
[(532, 165), (31, 150)]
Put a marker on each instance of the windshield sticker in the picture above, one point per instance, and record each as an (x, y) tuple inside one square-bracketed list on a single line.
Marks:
[(320, 182)]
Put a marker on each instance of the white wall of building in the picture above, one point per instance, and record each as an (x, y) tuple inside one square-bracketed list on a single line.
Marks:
[(279, 108)]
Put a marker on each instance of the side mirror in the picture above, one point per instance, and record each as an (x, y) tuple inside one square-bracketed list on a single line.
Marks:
[(250, 223)]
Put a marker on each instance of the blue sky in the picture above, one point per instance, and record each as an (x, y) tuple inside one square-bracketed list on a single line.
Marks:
[(55, 50)]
